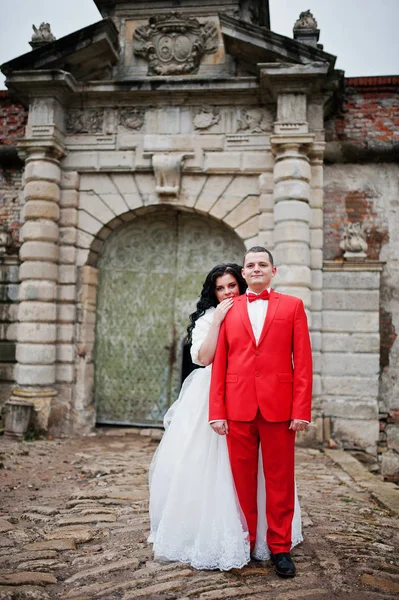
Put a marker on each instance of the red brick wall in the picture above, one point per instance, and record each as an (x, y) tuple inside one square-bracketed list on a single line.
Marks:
[(13, 117), (370, 111)]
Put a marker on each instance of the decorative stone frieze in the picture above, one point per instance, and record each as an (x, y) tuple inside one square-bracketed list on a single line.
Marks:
[(84, 120), (205, 117), (131, 118), (255, 120), (175, 43)]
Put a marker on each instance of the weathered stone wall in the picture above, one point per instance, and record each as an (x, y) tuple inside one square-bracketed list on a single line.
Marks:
[(362, 186), (12, 128)]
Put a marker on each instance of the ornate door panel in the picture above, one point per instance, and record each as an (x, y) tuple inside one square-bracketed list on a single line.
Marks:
[(151, 273)]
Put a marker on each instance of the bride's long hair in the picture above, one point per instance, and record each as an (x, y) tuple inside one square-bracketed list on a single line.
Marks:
[(208, 296)]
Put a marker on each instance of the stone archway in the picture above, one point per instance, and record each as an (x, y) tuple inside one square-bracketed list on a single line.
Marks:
[(150, 275)]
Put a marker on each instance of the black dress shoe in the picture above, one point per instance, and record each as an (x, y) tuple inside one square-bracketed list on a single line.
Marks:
[(283, 563)]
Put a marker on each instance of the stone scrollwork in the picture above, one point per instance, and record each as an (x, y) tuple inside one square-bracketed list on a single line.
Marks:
[(255, 120), (353, 241), (131, 118), (174, 44), (89, 120), (206, 117), (306, 21)]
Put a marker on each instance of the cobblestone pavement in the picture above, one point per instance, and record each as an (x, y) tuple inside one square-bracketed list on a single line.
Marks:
[(74, 523)]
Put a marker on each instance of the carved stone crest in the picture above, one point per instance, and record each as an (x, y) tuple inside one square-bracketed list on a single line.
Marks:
[(205, 117), (89, 120), (306, 21), (131, 118), (42, 35), (174, 44), (254, 120), (353, 241)]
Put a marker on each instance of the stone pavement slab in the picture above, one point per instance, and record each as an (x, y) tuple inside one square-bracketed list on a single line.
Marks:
[(74, 524)]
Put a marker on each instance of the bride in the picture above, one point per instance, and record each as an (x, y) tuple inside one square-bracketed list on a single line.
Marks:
[(194, 512)]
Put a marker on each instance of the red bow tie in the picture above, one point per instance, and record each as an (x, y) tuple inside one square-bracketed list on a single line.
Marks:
[(263, 296)]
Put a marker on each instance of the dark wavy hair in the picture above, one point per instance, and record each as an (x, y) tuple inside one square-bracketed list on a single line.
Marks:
[(208, 295)]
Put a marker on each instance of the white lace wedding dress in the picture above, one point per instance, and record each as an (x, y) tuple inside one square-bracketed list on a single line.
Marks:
[(194, 512)]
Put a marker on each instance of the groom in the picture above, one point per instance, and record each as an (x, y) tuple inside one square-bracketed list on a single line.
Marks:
[(261, 391)]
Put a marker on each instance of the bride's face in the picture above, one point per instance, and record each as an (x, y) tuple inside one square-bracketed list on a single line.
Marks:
[(226, 287)]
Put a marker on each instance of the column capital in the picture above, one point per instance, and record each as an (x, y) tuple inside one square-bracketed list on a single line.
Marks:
[(282, 143), (49, 149)]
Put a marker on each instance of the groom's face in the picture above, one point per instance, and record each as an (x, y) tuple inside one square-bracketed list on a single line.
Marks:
[(258, 271)]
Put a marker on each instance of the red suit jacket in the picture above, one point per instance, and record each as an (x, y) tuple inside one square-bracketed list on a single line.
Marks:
[(274, 376)]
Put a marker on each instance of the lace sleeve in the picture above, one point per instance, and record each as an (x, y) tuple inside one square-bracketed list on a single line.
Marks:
[(200, 332)]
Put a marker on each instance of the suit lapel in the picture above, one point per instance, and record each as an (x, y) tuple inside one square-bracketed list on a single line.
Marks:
[(271, 313), (243, 311)]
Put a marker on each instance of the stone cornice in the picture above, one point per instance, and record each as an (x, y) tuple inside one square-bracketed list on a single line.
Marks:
[(44, 83), (352, 265)]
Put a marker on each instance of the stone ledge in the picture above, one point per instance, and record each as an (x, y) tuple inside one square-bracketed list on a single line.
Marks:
[(387, 494)]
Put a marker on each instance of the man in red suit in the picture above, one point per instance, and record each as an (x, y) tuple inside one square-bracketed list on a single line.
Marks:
[(261, 391)]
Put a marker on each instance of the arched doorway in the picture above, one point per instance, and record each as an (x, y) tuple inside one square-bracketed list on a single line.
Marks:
[(151, 272)]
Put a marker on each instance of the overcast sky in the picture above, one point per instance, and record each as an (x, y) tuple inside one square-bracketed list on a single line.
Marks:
[(361, 33)]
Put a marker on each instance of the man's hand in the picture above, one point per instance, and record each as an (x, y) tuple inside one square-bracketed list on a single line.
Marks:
[(298, 425), (220, 427)]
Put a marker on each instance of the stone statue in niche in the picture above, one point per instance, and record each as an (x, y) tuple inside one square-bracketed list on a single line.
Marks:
[(174, 44), (306, 21), (42, 35), (131, 118), (205, 117), (353, 241), (255, 120), (89, 120)]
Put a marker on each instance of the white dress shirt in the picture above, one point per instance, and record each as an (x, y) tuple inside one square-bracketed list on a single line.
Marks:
[(257, 311)]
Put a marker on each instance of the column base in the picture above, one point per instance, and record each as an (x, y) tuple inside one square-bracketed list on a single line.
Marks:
[(41, 399)]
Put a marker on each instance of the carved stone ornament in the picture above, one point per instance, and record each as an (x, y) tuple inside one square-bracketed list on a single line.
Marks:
[(131, 118), (306, 21), (255, 120), (89, 120), (353, 241), (42, 35), (167, 171), (205, 117), (5, 241), (174, 44)]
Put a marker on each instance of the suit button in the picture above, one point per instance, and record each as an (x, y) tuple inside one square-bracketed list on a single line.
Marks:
[(257, 374), (257, 353)]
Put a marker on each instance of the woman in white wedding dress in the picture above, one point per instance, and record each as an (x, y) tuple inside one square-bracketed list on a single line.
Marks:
[(194, 512)]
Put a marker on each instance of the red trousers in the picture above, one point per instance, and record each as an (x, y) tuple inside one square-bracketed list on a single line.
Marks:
[(278, 447)]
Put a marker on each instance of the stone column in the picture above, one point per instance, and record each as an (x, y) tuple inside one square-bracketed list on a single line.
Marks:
[(37, 311), (292, 215)]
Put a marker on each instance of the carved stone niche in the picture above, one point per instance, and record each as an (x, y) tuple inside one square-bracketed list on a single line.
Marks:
[(174, 43), (167, 171)]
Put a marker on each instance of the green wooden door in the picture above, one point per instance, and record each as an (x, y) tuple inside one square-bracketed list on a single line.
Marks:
[(151, 274)]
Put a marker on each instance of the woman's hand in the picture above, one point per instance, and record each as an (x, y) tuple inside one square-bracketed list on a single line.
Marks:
[(221, 310)]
